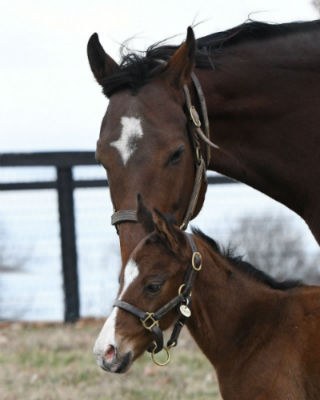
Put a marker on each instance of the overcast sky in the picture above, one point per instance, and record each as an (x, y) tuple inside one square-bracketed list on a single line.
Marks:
[(48, 97)]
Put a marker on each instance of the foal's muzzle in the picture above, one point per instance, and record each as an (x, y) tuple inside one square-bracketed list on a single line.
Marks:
[(112, 361)]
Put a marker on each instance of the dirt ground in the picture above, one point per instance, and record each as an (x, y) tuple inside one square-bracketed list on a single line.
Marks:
[(53, 362)]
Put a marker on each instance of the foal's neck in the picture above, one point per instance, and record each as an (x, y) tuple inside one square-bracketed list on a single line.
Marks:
[(229, 308)]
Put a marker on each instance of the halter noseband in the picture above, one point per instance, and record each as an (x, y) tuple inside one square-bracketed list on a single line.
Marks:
[(150, 320), (197, 134)]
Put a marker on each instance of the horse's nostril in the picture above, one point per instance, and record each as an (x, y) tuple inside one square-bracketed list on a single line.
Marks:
[(110, 353)]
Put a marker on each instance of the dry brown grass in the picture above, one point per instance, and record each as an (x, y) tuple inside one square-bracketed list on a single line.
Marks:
[(53, 362)]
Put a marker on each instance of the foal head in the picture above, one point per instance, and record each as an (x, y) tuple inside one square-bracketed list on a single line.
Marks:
[(144, 143), (149, 280)]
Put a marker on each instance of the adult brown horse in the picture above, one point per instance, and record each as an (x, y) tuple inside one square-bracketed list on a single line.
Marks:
[(261, 84), (262, 336)]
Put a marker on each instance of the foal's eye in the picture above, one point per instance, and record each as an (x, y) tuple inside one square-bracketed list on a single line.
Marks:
[(176, 156), (153, 288)]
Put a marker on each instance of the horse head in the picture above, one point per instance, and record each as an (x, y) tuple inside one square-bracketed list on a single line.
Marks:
[(145, 144), (150, 291)]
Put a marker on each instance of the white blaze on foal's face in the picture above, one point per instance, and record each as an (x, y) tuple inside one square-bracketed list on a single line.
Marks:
[(107, 335), (127, 143)]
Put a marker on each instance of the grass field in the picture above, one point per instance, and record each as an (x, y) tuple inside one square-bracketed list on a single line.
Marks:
[(55, 362)]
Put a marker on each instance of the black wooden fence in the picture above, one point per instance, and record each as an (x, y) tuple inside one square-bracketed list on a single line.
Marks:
[(65, 185)]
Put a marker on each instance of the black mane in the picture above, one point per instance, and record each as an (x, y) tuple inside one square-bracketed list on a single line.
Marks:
[(253, 30), (246, 267), (137, 69)]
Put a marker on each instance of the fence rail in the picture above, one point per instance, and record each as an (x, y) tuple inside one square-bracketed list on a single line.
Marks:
[(64, 184)]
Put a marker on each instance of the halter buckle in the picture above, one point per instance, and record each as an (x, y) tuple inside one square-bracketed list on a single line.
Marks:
[(149, 322)]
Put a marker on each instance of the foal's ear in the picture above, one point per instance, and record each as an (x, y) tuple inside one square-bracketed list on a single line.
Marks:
[(169, 232), (181, 63), (101, 64), (144, 215)]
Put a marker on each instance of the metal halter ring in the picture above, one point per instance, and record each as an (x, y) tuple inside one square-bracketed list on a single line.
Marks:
[(196, 261), (181, 289), (161, 363)]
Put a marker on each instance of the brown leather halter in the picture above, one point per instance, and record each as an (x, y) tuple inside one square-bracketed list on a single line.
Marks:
[(201, 162), (182, 302)]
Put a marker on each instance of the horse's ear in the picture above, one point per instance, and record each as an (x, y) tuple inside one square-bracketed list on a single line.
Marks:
[(101, 64), (144, 215), (168, 231), (181, 63)]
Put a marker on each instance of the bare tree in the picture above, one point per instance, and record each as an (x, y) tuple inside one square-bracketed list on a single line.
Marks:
[(276, 247), (10, 259), (316, 4)]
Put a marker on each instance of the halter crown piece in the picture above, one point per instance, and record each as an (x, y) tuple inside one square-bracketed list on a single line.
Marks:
[(182, 303), (197, 135)]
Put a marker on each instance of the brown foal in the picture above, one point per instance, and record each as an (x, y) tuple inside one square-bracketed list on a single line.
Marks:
[(261, 336)]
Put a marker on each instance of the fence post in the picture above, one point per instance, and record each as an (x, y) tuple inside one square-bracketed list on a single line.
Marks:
[(68, 244)]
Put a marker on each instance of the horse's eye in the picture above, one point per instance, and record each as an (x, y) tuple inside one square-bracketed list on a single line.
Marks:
[(176, 156), (153, 288)]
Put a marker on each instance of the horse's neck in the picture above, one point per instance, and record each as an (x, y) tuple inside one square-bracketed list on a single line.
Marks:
[(262, 133), (228, 307), (265, 118)]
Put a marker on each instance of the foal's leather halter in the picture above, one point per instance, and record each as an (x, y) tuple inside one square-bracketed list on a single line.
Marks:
[(196, 134), (150, 320)]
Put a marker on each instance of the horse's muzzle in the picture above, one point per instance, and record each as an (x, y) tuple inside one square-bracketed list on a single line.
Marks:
[(112, 361)]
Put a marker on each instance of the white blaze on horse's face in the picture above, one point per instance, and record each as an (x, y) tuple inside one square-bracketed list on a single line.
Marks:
[(130, 274), (107, 336), (127, 143)]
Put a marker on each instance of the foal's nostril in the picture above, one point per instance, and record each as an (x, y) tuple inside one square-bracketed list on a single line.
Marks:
[(110, 354)]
